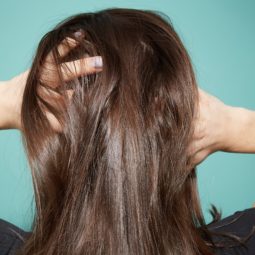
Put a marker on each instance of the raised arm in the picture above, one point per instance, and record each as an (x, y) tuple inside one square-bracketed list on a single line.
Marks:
[(11, 93), (219, 127)]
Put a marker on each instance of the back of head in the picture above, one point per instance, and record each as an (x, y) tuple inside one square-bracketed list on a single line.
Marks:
[(115, 180)]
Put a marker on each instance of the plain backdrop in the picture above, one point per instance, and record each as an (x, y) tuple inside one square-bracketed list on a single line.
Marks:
[(220, 38)]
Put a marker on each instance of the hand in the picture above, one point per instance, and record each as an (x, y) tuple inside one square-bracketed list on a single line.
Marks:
[(11, 93), (219, 127), (212, 131)]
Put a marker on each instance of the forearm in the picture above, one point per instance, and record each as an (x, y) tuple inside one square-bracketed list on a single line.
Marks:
[(8, 106), (241, 131)]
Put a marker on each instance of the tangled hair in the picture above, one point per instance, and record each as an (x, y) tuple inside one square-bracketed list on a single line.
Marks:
[(115, 180)]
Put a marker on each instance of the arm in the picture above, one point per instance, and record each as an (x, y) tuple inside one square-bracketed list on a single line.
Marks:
[(242, 138), (10, 101), (11, 92), (3, 107), (219, 127)]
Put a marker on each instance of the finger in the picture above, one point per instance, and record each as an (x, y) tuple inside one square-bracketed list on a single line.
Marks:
[(54, 122), (66, 45), (81, 67), (79, 34), (197, 145), (70, 93), (49, 67), (198, 158), (53, 98), (50, 100), (199, 130), (192, 149), (71, 70), (69, 43), (63, 49)]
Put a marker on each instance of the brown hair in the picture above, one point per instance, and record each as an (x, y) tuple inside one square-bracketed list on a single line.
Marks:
[(115, 181)]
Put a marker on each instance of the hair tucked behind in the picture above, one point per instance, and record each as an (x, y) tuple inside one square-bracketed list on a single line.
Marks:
[(115, 180)]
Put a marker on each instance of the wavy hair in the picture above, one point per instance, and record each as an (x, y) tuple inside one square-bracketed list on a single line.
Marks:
[(116, 179)]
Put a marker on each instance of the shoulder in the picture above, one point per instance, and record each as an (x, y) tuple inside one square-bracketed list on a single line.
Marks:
[(239, 225), (11, 237), (240, 222)]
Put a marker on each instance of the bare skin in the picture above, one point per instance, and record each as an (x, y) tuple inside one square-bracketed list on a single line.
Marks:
[(219, 127), (11, 92)]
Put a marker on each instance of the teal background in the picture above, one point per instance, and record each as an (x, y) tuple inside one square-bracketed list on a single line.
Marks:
[(220, 37)]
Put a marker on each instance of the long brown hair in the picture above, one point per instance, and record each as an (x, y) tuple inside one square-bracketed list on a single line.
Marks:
[(115, 180)]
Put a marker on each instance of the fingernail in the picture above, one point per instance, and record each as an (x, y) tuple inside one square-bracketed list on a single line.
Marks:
[(97, 62), (79, 34)]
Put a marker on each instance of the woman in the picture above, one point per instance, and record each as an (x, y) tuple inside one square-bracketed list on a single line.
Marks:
[(112, 150)]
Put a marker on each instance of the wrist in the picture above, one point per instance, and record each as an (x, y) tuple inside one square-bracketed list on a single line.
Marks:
[(8, 106)]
